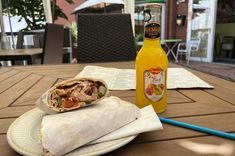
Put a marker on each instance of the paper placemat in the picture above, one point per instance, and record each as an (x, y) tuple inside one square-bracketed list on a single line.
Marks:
[(124, 79)]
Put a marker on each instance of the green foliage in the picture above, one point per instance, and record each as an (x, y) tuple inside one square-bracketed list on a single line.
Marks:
[(74, 31), (32, 11), (138, 37)]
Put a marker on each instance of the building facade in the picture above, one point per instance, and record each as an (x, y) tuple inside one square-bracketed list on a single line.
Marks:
[(210, 22)]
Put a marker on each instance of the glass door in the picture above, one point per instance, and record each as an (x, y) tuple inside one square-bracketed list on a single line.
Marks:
[(201, 29), (224, 49)]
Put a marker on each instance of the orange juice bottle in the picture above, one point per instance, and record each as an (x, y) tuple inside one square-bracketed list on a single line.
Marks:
[(151, 71)]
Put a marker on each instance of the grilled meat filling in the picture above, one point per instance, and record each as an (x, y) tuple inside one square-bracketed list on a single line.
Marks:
[(76, 95)]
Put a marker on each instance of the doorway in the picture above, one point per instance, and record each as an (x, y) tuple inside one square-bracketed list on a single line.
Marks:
[(201, 27), (224, 47)]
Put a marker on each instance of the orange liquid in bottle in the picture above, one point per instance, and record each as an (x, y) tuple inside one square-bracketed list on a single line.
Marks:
[(151, 72)]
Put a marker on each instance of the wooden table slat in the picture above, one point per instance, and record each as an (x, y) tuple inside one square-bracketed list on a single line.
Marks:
[(58, 74), (219, 122), (12, 80), (5, 123), (175, 97), (175, 147), (203, 97), (196, 108), (10, 112), (4, 70), (37, 90), (8, 74), (229, 96), (10, 95), (6, 150)]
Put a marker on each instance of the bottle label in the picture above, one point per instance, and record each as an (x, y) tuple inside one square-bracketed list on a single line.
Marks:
[(154, 83), (152, 31)]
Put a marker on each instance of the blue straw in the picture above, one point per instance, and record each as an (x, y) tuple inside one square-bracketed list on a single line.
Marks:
[(198, 128)]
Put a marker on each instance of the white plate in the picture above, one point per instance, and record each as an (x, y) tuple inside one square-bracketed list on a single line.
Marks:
[(23, 136)]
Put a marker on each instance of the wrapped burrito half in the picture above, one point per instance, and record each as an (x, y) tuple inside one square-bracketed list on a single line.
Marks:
[(72, 94), (64, 132)]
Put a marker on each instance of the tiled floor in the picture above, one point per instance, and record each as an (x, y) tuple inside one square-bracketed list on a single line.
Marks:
[(222, 70)]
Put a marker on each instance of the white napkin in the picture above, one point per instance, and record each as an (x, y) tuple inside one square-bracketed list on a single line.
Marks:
[(148, 121), (124, 79)]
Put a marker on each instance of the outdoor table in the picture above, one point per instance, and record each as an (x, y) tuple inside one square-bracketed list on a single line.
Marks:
[(212, 108), (29, 55), (170, 45), (20, 54)]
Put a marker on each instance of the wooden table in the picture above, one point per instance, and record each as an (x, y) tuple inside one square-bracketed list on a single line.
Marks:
[(213, 108), (30, 55), (20, 54)]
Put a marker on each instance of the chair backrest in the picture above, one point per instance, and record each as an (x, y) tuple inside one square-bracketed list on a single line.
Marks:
[(182, 47), (67, 37), (227, 43), (67, 45), (227, 39), (20, 40), (195, 44), (38, 39), (53, 44), (105, 38)]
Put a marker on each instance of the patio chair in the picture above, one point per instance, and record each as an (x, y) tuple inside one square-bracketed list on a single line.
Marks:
[(187, 48), (105, 38), (227, 45), (38, 40), (36, 37), (53, 44), (67, 45), (20, 40)]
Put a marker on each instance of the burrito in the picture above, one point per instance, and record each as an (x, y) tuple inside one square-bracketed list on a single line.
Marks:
[(64, 132), (72, 94)]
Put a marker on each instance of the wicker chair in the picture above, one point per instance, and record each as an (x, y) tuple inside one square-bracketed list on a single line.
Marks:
[(105, 38)]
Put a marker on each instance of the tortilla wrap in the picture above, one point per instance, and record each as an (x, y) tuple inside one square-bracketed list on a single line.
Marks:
[(72, 94), (64, 132)]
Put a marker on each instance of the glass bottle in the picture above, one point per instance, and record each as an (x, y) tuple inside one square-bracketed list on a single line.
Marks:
[(151, 70)]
